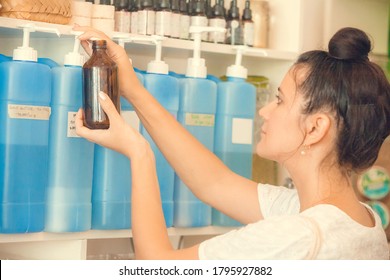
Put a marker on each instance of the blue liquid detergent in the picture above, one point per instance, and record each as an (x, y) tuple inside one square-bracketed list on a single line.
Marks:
[(197, 108), (69, 207), (234, 132), (24, 121), (111, 191), (165, 89)]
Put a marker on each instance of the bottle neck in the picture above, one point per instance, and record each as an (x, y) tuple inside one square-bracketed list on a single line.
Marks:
[(99, 46)]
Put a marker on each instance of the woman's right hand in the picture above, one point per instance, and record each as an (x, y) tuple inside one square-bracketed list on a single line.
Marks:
[(116, 52), (128, 81)]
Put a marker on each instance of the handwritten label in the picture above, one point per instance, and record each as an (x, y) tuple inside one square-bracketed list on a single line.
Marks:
[(72, 125), (28, 112), (200, 119)]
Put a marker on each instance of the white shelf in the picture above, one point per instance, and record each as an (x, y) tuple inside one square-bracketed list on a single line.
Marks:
[(105, 234), (8, 26)]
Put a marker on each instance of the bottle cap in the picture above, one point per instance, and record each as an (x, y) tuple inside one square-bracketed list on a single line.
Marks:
[(237, 70), (247, 13), (218, 10), (234, 12), (198, 8), (121, 5), (105, 2), (164, 4), (175, 5), (146, 3), (183, 7)]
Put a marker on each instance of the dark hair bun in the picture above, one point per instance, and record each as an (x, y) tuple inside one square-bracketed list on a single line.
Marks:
[(349, 44)]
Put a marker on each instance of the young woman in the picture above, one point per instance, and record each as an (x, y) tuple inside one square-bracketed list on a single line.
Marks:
[(330, 118)]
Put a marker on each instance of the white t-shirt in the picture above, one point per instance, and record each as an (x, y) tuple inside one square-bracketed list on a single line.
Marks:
[(320, 232)]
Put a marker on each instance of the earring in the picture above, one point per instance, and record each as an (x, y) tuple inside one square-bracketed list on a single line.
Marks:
[(304, 149)]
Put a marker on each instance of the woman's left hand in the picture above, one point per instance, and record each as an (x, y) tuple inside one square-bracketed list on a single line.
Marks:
[(119, 136)]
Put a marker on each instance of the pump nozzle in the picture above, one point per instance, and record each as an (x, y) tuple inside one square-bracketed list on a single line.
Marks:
[(25, 52), (237, 70), (74, 58), (156, 66), (196, 65)]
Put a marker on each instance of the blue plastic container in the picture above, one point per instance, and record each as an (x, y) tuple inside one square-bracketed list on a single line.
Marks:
[(111, 187), (49, 62), (197, 108), (233, 143), (165, 89), (4, 58), (68, 205), (24, 121)]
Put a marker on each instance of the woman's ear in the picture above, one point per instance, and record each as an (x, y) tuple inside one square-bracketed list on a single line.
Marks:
[(317, 128)]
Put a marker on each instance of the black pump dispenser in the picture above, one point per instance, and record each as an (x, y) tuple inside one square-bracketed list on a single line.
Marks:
[(234, 11), (121, 5), (247, 13)]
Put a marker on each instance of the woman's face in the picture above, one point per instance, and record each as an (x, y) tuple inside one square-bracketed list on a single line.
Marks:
[(281, 133)]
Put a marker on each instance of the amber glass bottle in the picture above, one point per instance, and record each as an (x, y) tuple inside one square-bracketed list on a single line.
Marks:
[(100, 73)]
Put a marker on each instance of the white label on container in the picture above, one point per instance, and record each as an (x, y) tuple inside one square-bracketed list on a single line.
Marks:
[(131, 118), (242, 130), (29, 112), (72, 125), (200, 119)]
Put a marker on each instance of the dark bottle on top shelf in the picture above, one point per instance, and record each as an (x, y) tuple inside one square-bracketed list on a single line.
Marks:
[(100, 73)]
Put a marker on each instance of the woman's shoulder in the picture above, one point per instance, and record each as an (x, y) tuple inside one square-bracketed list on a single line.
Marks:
[(343, 237)]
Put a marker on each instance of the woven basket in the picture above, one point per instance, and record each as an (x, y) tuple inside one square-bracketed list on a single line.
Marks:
[(52, 11)]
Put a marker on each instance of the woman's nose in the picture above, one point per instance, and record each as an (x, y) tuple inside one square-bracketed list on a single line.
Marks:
[(264, 112)]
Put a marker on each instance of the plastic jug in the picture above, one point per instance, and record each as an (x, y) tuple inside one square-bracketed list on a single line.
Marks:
[(24, 120), (197, 108), (165, 88), (234, 119), (68, 205)]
